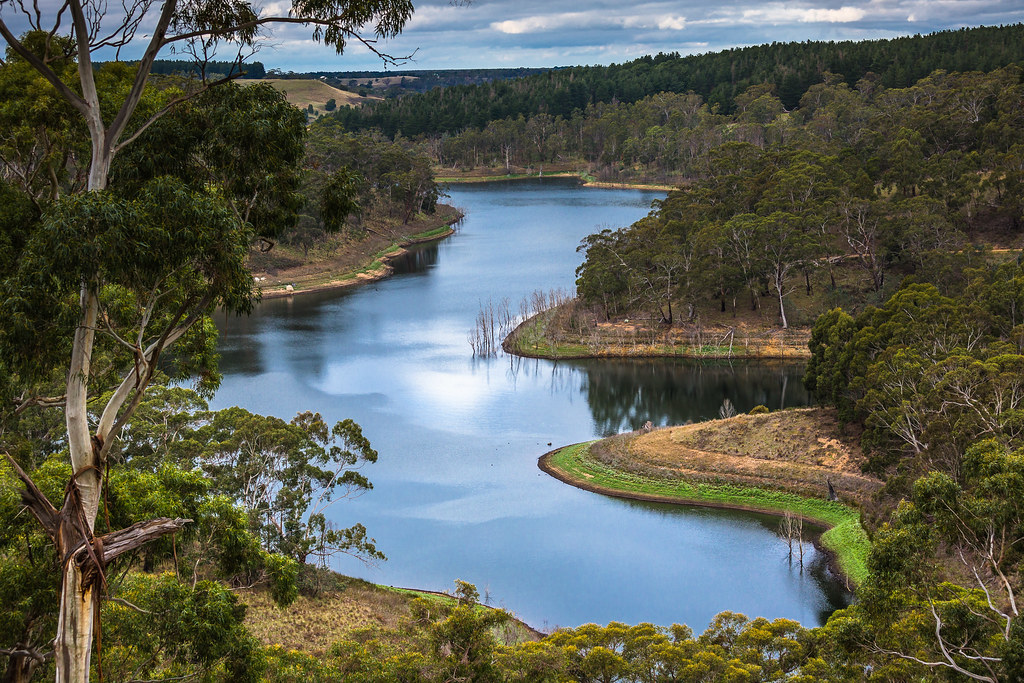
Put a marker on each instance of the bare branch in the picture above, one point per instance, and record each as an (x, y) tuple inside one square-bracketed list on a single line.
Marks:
[(42, 401), (368, 43), (125, 603), (117, 543), (142, 75), (36, 501), (167, 108)]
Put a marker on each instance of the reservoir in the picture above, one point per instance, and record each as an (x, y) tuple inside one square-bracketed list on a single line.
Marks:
[(457, 492)]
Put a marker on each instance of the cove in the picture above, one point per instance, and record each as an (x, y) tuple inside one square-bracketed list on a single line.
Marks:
[(457, 493)]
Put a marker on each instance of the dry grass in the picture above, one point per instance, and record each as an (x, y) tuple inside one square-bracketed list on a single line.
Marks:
[(792, 450), (382, 81), (313, 624), (303, 92)]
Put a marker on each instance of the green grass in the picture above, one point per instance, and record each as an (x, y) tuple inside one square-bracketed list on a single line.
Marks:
[(845, 537)]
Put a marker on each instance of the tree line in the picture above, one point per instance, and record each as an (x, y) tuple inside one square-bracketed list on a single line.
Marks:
[(935, 378), (718, 77)]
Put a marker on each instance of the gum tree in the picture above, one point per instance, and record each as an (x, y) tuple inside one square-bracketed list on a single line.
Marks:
[(143, 271)]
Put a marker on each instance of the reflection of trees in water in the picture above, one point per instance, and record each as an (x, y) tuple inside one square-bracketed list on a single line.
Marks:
[(419, 259), (564, 378), (623, 395)]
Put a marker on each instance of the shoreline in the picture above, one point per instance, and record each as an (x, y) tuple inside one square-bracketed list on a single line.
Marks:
[(377, 269), (529, 340), (584, 181), (846, 555)]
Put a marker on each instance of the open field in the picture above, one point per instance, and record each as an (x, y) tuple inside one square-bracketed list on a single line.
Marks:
[(303, 92)]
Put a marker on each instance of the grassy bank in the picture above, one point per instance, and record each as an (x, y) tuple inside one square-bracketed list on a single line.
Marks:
[(312, 624), (351, 263), (845, 538)]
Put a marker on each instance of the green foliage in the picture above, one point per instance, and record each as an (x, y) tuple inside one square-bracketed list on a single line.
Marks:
[(286, 474), (162, 627), (348, 177), (926, 375)]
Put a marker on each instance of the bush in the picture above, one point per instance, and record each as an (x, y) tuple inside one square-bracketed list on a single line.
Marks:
[(759, 410)]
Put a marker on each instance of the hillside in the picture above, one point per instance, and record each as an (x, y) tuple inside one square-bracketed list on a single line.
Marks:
[(303, 93)]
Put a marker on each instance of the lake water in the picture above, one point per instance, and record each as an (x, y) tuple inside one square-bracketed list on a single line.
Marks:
[(457, 493)]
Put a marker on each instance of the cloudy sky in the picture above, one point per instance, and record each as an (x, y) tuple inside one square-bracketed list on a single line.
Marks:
[(543, 33), (508, 33)]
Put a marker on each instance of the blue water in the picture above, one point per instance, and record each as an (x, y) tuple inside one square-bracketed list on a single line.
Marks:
[(457, 493)]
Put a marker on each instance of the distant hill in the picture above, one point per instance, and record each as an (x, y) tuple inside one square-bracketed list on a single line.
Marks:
[(791, 68), (304, 92)]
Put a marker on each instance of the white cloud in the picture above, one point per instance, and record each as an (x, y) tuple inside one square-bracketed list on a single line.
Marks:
[(672, 23), (785, 14), (550, 22), (842, 15), (590, 20)]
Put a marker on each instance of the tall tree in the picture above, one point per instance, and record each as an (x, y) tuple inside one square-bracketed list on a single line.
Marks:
[(146, 270)]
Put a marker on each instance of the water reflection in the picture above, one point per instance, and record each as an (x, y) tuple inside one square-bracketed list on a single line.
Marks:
[(817, 566), (417, 260), (623, 395)]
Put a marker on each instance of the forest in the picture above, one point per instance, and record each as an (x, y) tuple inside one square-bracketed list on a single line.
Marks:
[(791, 68), (847, 195)]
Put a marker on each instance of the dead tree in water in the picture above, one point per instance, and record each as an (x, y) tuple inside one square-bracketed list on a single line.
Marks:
[(792, 527)]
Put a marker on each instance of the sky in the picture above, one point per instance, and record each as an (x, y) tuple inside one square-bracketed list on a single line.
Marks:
[(544, 33)]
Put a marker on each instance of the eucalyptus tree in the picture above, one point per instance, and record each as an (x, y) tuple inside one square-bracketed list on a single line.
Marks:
[(144, 271)]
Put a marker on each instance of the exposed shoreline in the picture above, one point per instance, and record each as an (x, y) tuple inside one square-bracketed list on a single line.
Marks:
[(845, 559), (584, 181), (530, 340), (378, 268)]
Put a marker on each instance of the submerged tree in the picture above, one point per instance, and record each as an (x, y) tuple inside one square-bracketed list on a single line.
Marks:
[(111, 277)]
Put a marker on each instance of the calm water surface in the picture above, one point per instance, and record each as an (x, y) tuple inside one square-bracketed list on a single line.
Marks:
[(457, 491)]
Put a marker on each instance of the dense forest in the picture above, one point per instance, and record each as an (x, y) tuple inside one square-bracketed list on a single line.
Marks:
[(791, 68), (855, 190)]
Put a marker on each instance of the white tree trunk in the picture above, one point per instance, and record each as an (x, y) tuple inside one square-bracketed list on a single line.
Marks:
[(782, 307), (75, 626)]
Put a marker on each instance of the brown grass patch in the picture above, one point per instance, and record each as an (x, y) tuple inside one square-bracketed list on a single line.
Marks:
[(795, 450), (313, 624), (302, 92)]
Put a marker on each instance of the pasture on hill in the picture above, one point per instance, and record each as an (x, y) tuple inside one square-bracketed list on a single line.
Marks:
[(304, 92)]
